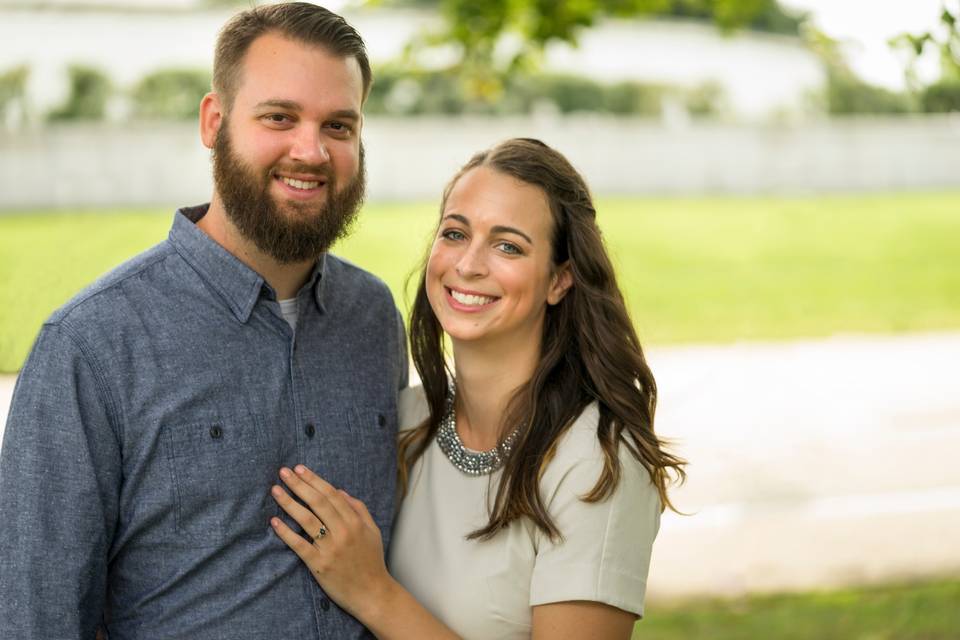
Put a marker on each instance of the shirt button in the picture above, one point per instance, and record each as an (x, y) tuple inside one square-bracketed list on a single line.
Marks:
[(216, 432), (381, 420), (325, 604), (310, 430)]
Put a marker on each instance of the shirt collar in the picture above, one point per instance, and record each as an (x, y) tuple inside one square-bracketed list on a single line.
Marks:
[(238, 285)]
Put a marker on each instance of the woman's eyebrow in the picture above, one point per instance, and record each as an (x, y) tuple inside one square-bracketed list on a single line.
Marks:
[(503, 229), (496, 229)]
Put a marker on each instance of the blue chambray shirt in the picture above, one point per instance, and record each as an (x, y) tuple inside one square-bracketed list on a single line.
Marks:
[(148, 425)]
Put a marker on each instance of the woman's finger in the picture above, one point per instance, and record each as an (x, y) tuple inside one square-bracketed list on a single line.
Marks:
[(327, 490), (313, 479), (303, 516), (304, 550), (360, 508), (318, 503)]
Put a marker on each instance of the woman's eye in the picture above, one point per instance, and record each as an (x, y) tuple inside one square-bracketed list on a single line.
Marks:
[(510, 248), (453, 234)]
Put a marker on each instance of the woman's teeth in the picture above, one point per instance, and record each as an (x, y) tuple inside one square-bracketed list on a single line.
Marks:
[(470, 299)]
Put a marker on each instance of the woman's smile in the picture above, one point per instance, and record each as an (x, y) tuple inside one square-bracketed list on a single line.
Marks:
[(469, 301)]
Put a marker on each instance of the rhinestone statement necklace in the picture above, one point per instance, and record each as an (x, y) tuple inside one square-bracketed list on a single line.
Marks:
[(473, 463)]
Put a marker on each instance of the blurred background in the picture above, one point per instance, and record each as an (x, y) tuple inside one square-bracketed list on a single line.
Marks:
[(778, 182)]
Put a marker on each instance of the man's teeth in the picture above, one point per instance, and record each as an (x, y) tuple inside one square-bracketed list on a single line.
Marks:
[(300, 184), (465, 298)]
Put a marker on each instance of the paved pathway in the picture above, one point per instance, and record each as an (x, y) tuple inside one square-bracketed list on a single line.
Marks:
[(812, 463)]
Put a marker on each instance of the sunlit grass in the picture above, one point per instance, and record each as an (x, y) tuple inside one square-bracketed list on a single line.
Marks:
[(692, 270), (924, 611)]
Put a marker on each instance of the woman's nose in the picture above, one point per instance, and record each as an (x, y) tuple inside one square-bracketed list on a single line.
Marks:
[(472, 263)]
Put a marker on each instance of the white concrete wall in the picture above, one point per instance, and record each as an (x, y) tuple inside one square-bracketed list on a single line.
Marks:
[(105, 165)]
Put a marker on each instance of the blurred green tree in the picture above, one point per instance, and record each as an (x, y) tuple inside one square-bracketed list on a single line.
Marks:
[(13, 86), (945, 39), (400, 91), (495, 39), (846, 93), (87, 100), (943, 95), (171, 94)]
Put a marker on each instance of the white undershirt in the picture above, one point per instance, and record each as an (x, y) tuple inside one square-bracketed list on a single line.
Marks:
[(289, 310)]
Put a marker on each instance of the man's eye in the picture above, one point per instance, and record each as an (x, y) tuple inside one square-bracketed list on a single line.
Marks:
[(278, 118), (340, 128)]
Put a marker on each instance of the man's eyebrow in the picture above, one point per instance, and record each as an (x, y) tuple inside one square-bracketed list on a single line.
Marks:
[(496, 229), (345, 114), (280, 104)]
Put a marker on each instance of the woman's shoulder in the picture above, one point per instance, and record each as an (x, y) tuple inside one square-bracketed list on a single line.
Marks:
[(579, 442), (412, 408), (579, 455)]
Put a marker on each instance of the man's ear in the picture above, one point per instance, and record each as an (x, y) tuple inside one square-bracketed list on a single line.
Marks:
[(211, 117), (560, 283)]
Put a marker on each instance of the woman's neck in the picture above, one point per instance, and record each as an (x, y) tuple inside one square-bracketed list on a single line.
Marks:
[(487, 378)]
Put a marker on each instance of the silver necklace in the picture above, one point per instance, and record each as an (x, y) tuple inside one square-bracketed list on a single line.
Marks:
[(473, 463)]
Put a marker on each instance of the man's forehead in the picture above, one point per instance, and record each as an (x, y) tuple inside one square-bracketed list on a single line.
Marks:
[(292, 70)]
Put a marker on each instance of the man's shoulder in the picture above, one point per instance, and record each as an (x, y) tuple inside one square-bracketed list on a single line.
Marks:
[(96, 301), (348, 279)]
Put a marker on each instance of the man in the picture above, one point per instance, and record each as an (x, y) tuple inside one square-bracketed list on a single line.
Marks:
[(156, 408)]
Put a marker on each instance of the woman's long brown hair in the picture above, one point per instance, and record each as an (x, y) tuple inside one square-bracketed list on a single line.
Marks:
[(589, 352)]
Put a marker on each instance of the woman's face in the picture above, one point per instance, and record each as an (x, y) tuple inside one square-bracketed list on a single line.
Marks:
[(490, 275)]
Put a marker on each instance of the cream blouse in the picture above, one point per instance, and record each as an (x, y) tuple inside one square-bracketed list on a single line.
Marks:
[(485, 589)]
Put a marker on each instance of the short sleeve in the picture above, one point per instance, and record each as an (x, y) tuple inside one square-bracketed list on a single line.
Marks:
[(604, 555)]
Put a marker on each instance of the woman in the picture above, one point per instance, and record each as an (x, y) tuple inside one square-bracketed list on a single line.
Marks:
[(533, 482)]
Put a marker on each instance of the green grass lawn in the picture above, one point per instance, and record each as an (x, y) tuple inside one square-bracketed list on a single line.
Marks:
[(927, 611), (692, 270)]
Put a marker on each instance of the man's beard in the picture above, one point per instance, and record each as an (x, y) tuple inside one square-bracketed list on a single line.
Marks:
[(291, 231)]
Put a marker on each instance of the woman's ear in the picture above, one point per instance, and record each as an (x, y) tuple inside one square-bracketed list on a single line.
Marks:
[(560, 283)]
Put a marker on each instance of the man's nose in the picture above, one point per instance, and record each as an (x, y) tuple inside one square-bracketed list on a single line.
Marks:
[(309, 147)]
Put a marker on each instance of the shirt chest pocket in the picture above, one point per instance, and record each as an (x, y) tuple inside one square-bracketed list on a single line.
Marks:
[(222, 473), (356, 450)]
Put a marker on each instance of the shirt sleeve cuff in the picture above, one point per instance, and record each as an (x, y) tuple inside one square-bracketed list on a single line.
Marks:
[(584, 582)]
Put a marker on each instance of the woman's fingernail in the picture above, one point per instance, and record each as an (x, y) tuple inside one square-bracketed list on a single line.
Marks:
[(274, 522), (300, 468), (284, 472), (277, 491)]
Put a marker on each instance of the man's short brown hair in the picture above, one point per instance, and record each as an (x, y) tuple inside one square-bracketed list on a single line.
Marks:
[(300, 21)]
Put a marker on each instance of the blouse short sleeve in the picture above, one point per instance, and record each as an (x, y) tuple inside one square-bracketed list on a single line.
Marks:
[(604, 554)]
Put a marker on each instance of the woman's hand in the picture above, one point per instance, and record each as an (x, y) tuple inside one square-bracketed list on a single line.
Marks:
[(345, 553)]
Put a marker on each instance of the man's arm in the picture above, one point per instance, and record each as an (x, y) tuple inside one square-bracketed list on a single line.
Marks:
[(59, 490), (403, 359)]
